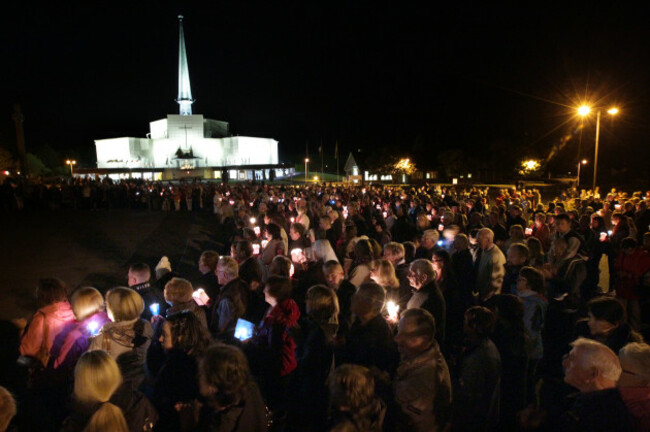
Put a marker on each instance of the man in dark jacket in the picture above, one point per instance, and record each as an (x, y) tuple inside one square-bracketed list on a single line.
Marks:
[(139, 279), (593, 369), (344, 289), (208, 280), (231, 303), (252, 273), (427, 295)]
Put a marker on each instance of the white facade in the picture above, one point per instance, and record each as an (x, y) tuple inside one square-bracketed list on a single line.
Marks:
[(186, 142)]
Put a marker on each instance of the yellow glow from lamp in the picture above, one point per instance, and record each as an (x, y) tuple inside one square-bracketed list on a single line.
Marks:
[(530, 165), (584, 110)]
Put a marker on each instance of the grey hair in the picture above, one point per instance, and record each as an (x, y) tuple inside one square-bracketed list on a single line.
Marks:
[(599, 356)]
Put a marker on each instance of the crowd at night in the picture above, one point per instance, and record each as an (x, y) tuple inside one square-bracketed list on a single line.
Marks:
[(348, 308)]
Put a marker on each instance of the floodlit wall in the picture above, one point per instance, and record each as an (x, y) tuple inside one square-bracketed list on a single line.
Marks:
[(126, 152), (185, 133)]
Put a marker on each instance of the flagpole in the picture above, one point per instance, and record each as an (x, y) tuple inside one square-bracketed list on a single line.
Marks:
[(336, 153), (322, 156)]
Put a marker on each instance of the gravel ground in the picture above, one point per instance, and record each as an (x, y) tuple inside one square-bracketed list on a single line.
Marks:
[(93, 248)]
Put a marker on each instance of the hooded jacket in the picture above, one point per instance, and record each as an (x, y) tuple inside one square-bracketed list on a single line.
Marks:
[(127, 342), (59, 320)]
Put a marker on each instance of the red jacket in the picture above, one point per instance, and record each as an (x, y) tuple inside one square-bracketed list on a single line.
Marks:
[(635, 265), (274, 332)]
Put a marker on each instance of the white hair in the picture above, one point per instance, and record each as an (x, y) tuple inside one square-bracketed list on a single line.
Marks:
[(636, 358), (599, 356), (322, 249)]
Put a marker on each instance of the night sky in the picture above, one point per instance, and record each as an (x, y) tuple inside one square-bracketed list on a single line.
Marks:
[(366, 74)]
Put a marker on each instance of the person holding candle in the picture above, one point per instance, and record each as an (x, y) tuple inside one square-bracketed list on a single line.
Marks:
[(127, 337), (88, 308)]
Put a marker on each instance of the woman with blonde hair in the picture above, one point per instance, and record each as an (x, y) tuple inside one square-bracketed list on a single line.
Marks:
[(101, 404), (127, 337), (383, 273), (88, 308)]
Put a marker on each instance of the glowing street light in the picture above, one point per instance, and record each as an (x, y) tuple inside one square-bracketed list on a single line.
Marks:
[(582, 162), (530, 165), (71, 163), (583, 111), (306, 169)]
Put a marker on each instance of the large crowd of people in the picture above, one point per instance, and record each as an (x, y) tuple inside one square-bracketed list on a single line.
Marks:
[(351, 308)]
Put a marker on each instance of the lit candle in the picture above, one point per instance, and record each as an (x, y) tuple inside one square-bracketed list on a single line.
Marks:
[(393, 309)]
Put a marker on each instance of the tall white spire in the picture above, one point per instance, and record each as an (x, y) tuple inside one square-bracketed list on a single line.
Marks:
[(184, 98)]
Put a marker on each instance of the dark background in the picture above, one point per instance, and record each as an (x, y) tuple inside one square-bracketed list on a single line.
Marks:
[(495, 83)]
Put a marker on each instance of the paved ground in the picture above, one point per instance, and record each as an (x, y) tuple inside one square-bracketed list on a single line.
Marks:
[(93, 248)]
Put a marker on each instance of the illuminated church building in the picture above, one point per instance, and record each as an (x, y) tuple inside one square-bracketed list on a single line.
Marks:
[(188, 145)]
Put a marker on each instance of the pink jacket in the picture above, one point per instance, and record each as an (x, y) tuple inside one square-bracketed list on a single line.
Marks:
[(60, 320)]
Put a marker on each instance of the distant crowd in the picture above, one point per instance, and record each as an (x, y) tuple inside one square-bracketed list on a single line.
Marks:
[(352, 308)]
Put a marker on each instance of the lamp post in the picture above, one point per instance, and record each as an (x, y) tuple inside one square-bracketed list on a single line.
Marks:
[(582, 162), (584, 111), (72, 163), (306, 169)]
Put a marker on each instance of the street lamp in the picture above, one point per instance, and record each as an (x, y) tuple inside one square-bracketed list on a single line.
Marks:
[(584, 111), (306, 169), (71, 163), (582, 162)]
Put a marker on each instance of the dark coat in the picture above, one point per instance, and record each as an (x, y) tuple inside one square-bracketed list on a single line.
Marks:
[(210, 284), (476, 392), (139, 413), (344, 293), (191, 306), (615, 340), (248, 415), (308, 387), (151, 294), (431, 299), (370, 344), (602, 410), (176, 382), (463, 265)]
